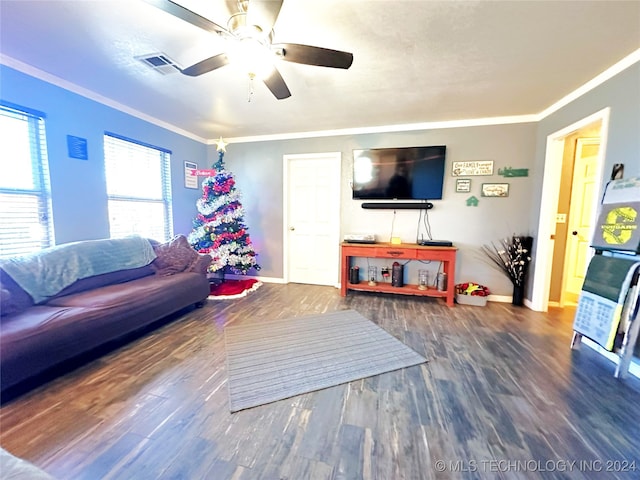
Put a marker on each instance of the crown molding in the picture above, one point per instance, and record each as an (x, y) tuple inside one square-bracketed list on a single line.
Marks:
[(407, 127), (598, 80), (91, 95), (609, 73)]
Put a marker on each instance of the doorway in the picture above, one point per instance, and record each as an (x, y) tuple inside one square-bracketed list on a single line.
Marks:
[(312, 218), (576, 209), (561, 257)]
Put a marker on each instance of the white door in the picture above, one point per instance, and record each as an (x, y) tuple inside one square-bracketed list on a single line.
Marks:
[(583, 189), (312, 218)]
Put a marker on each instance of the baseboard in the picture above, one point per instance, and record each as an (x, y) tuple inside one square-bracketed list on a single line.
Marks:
[(499, 298)]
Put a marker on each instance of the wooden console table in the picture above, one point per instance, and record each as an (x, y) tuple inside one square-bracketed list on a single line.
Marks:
[(411, 251)]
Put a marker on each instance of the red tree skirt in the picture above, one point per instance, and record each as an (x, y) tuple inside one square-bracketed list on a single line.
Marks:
[(233, 288)]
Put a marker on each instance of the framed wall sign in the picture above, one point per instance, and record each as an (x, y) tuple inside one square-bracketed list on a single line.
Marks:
[(463, 185), (466, 169), (190, 180), (495, 189)]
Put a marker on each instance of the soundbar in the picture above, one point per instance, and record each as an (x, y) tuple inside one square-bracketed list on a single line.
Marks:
[(398, 205)]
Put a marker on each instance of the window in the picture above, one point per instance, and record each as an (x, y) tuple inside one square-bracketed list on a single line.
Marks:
[(26, 222), (138, 188)]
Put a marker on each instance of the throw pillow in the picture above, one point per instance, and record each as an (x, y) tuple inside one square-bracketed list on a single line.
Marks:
[(174, 256), (201, 264)]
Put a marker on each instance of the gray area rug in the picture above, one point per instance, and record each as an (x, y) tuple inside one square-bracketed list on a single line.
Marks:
[(270, 361)]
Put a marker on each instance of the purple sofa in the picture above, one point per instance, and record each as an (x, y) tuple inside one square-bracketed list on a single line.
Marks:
[(38, 334)]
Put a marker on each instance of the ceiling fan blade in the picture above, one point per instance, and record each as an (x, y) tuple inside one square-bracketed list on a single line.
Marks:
[(206, 65), (187, 15), (275, 83), (308, 55), (263, 13)]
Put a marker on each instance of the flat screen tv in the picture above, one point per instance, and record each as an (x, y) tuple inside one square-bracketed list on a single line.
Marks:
[(406, 173)]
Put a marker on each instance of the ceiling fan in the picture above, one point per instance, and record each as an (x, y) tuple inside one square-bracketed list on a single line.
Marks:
[(251, 30)]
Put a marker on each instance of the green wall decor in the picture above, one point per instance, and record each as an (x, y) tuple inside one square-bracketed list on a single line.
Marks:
[(472, 201), (513, 172)]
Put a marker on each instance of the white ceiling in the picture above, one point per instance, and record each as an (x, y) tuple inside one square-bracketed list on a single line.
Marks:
[(415, 61)]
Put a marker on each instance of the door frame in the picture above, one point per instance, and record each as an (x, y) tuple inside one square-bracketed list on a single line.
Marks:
[(568, 249), (549, 202), (286, 159)]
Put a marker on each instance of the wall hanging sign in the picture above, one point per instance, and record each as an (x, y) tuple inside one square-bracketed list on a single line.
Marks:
[(618, 224), (77, 147), (513, 172), (463, 185), (467, 169), (495, 189), (190, 180)]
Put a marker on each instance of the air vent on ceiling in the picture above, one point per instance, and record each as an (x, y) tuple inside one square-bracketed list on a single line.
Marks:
[(160, 62)]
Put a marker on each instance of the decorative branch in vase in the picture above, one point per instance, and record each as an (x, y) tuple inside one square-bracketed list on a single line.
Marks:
[(512, 255)]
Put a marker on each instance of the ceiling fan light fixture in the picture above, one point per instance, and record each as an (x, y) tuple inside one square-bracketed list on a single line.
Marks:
[(251, 55), (237, 25)]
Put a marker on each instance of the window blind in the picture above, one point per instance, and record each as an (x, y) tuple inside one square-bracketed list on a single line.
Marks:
[(26, 221), (138, 189)]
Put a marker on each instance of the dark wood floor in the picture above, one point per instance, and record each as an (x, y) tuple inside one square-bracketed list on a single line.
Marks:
[(502, 396)]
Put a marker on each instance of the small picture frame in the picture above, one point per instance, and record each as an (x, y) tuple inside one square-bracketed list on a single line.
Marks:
[(495, 189), (463, 185)]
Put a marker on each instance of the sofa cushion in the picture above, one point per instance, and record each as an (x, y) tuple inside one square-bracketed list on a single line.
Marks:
[(13, 299), (178, 256)]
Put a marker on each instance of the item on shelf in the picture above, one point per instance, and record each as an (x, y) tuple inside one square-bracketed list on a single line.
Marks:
[(373, 275), (354, 275), (360, 238), (423, 279), (441, 282), (397, 275), (384, 271)]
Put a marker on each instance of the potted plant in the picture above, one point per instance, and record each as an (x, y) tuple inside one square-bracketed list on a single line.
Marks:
[(513, 256)]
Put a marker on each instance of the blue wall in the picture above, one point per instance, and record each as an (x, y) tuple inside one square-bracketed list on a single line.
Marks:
[(78, 187)]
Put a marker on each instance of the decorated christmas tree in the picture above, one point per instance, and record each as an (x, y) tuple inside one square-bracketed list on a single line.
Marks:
[(219, 229)]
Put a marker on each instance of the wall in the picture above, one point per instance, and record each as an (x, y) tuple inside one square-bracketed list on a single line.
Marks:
[(78, 188), (622, 95), (258, 169)]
